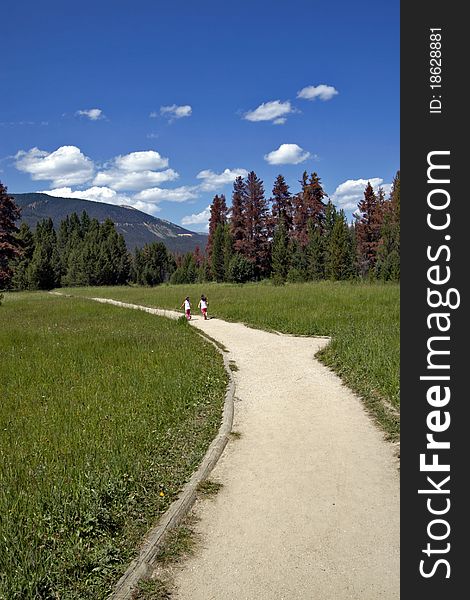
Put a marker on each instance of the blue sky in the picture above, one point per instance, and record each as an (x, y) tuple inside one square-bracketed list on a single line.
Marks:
[(159, 105)]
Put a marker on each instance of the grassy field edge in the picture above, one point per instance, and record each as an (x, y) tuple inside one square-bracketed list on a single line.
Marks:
[(100, 427), (361, 318)]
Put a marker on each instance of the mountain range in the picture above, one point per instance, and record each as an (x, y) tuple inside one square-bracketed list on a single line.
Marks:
[(137, 227)]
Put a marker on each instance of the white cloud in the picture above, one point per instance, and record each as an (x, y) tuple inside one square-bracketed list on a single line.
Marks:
[(153, 114), (146, 207), (212, 181), (65, 166), (349, 193), (201, 218), (156, 194), (270, 111), (175, 112), (322, 91), (94, 114), (287, 154), (133, 180), (95, 193), (279, 121), (135, 171), (148, 160), (146, 201)]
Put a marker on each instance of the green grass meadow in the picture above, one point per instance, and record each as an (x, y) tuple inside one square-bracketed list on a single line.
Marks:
[(104, 414), (363, 320)]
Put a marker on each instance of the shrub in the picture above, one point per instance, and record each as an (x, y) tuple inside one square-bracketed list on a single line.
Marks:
[(240, 269)]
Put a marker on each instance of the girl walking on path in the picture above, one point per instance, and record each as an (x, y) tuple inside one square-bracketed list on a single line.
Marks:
[(187, 308), (203, 306)]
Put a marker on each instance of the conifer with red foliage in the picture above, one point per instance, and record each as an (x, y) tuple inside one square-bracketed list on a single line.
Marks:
[(368, 228), (256, 247), (309, 207), (198, 256), (281, 204), (237, 214)]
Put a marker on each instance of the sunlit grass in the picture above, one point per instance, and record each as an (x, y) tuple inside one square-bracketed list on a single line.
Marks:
[(105, 413), (362, 318)]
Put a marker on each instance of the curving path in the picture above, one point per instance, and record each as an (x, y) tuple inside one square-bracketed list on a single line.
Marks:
[(310, 503), (309, 507)]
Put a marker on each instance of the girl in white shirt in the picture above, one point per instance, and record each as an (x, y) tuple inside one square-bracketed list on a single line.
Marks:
[(203, 306), (187, 307)]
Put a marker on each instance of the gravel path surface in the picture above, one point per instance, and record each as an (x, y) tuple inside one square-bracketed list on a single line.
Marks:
[(309, 507)]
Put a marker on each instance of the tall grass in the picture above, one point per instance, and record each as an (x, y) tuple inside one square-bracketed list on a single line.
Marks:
[(104, 414), (362, 318)]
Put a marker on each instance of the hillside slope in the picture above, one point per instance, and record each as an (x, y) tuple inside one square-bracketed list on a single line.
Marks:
[(137, 227)]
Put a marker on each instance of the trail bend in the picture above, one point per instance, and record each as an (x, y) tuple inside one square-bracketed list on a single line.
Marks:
[(309, 507)]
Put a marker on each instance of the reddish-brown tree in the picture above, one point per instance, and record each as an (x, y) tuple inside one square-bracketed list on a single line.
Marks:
[(281, 204), (387, 265), (308, 207), (237, 214), (368, 228), (256, 247), (9, 245), (198, 256)]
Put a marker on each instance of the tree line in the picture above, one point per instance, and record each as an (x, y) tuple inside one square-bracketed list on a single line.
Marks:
[(81, 252), (297, 237), (287, 238)]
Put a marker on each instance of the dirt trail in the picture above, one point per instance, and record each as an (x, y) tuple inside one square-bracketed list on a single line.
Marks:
[(309, 508), (310, 503)]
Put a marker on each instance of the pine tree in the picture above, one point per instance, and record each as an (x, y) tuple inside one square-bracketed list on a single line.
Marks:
[(281, 204), (76, 226), (186, 272), (237, 214), (315, 252), (123, 262), (198, 257), (368, 230), (70, 244), (107, 253), (280, 253), (199, 261), (227, 249), (92, 261), (256, 248), (218, 216), (84, 223), (388, 253), (328, 224), (63, 245), (9, 246), (217, 258), (19, 265), (44, 269), (136, 266), (340, 258), (298, 262), (395, 201), (240, 269), (308, 205), (330, 218), (151, 264), (205, 271)]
